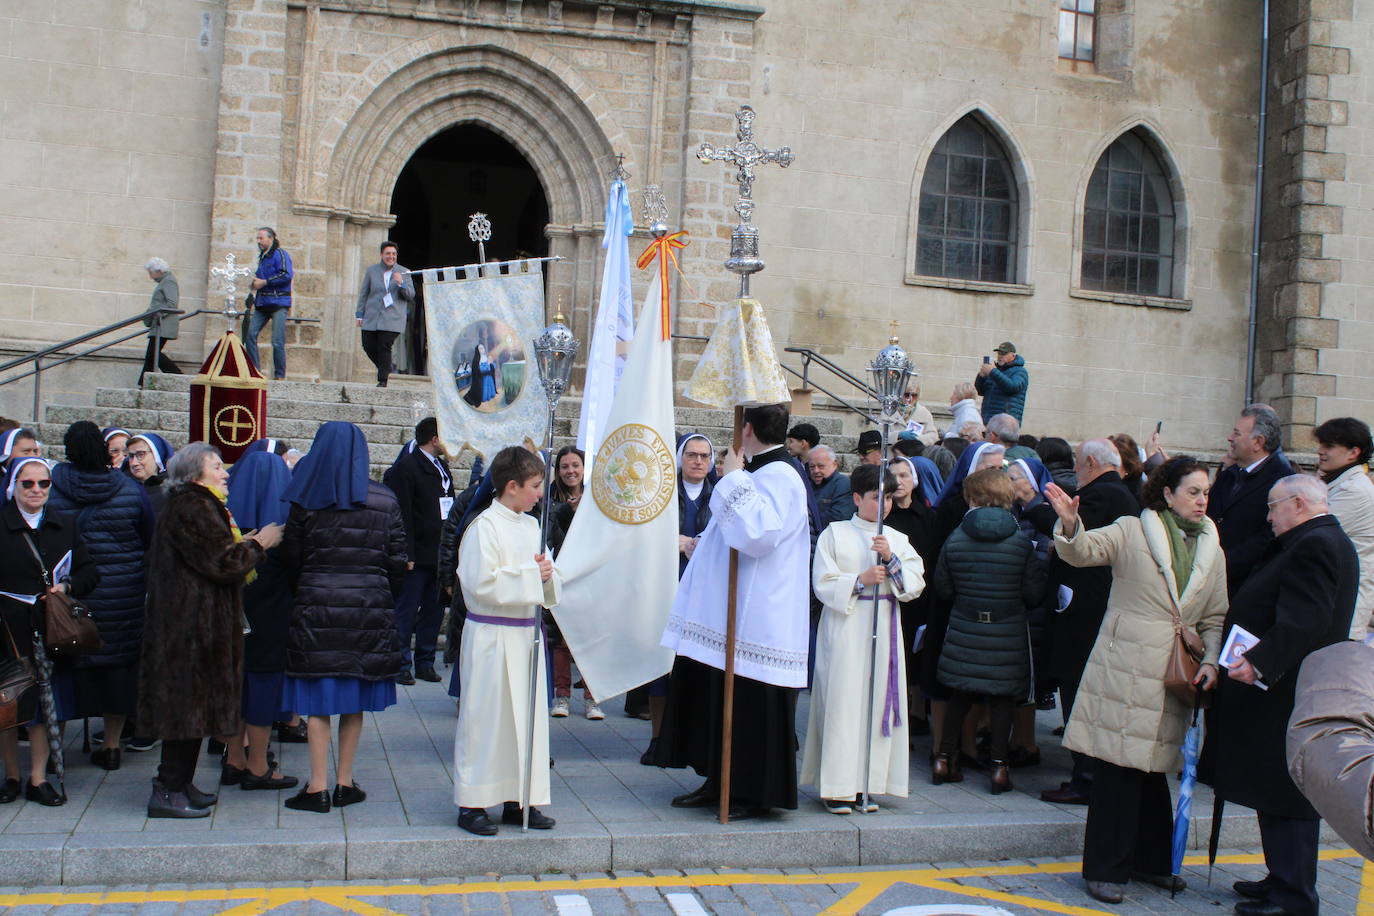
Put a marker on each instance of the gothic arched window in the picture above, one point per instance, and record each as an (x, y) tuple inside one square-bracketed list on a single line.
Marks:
[(966, 225), (1128, 222)]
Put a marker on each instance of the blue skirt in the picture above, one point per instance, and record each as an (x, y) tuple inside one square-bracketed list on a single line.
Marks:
[(262, 698), (336, 696)]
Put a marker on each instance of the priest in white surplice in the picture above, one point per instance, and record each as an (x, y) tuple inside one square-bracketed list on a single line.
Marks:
[(843, 575), (758, 508), (503, 576)]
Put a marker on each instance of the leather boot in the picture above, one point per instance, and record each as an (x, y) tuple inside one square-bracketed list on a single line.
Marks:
[(945, 769), (163, 803), (1001, 777)]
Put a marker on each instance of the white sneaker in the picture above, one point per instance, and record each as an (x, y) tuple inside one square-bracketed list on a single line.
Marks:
[(594, 711), (560, 708)]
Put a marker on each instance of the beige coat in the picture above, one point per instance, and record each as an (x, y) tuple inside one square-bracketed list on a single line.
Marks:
[(1351, 499), (1122, 713)]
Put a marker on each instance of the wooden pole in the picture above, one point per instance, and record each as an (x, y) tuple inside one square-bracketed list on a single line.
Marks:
[(728, 706)]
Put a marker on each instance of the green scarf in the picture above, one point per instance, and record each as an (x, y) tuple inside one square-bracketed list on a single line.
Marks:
[(1182, 545)]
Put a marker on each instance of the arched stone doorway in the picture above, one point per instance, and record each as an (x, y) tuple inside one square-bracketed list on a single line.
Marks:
[(548, 121), (465, 169)]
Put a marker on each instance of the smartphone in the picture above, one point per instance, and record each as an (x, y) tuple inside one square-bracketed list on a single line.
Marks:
[(1158, 427), (987, 359)]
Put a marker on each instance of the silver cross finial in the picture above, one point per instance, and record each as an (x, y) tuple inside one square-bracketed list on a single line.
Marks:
[(619, 173), (228, 275), (479, 231), (745, 155)]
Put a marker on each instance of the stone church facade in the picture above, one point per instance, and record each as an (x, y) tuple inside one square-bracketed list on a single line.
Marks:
[(177, 127)]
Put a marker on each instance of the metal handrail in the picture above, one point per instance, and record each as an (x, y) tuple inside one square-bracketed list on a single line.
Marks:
[(38, 356), (808, 356), (816, 385)]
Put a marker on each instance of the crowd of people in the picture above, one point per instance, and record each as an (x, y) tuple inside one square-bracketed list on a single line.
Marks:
[(951, 587)]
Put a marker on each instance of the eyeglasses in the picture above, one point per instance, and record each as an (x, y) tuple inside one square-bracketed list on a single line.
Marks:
[(140, 454), (1274, 502), (695, 456), (29, 484)]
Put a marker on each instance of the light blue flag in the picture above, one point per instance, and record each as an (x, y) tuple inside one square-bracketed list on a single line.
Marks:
[(614, 326)]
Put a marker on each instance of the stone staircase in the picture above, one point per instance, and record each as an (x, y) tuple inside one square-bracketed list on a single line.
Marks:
[(387, 416)]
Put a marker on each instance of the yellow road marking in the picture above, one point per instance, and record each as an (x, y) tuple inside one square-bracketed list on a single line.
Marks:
[(869, 885)]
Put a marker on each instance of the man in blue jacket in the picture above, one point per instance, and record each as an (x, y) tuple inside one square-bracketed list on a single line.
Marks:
[(1002, 381), (272, 300)]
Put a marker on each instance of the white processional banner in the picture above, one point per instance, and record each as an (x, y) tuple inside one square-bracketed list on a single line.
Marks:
[(482, 329), (619, 559)]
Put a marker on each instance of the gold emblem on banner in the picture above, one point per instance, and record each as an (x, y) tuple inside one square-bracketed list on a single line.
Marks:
[(634, 475), (230, 423)]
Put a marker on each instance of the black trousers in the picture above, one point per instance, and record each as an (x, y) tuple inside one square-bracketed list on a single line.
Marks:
[(1290, 853), (377, 345), (178, 765), (1081, 779), (155, 357), (1000, 711), (1130, 825)]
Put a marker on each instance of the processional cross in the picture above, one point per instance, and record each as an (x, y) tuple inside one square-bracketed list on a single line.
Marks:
[(745, 154), (229, 275)]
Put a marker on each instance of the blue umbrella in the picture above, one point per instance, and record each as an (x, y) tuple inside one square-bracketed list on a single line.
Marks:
[(1192, 742)]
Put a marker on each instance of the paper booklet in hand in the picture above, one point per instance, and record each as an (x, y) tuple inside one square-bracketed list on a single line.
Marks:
[(1238, 642)]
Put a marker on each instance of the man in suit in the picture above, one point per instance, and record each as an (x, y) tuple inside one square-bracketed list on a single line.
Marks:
[(1298, 598), (383, 303), (423, 486), (1103, 498), (1237, 502)]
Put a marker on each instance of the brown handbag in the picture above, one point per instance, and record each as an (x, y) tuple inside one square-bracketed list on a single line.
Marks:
[(1185, 658), (69, 629), (18, 688)]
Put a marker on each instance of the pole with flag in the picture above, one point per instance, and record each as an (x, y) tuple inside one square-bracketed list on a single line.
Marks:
[(739, 369), (613, 623), (614, 325)]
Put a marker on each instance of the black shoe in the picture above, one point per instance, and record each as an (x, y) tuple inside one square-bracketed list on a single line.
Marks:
[(1260, 908), (292, 734), (138, 745), (406, 679), (1066, 794), (230, 775), (513, 816), (475, 820), (45, 795), (249, 782), (9, 791), (1106, 891), (348, 795), (428, 674), (107, 758), (1172, 883), (1255, 890), (200, 799), (163, 803), (704, 797), (305, 800), (649, 758)]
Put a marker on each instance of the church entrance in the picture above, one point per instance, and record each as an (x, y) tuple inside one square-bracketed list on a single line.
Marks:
[(463, 170)]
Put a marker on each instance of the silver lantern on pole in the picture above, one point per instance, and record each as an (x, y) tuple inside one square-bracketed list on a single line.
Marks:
[(891, 369), (554, 351)]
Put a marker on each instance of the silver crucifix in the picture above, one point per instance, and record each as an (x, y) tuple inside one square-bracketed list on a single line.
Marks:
[(229, 275), (745, 155), (479, 231)]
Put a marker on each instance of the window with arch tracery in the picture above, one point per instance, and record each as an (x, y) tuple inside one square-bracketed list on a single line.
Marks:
[(1128, 222), (968, 209)]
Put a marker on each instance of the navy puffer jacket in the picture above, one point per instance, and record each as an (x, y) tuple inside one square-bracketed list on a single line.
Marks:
[(1004, 390), (989, 569), (115, 519)]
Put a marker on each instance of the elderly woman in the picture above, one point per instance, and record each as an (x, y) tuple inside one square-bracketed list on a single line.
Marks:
[(115, 441), (26, 524), (192, 670), (146, 457), (963, 404), (1165, 562), (17, 443), (116, 523), (345, 552)]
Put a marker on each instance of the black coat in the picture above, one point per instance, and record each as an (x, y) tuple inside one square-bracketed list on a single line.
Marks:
[(1298, 599), (1239, 504), (989, 571), (347, 567), (267, 603), (1072, 633), (19, 572), (418, 486), (116, 523)]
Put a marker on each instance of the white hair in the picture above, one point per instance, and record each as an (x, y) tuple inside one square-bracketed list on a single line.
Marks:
[(157, 266), (1101, 451), (830, 452), (1307, 486), (1005, 427), (188, 464)]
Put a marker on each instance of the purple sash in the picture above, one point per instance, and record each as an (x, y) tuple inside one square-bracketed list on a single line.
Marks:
[(504, 621), (892, 710)]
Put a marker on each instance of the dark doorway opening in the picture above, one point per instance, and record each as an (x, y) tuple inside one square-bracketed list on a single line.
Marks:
[(463, 170)]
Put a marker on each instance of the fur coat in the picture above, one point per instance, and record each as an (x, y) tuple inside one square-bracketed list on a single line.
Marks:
[(191, 677)]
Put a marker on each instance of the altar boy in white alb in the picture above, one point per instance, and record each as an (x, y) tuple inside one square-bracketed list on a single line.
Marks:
[(844, 574), (504, 577)]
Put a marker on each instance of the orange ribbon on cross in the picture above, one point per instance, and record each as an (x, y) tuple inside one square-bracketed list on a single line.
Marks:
[(663, 249)]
